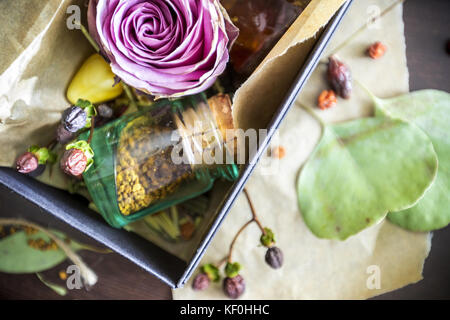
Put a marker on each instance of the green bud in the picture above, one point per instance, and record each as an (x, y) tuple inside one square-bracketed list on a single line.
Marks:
[(211, 271), (232, 269), (90, 110), (42, 154), (267, 239)]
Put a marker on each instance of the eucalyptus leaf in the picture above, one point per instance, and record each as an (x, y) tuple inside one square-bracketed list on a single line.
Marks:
[(361, 170), (430, 111), (57, 288), (16, 256)]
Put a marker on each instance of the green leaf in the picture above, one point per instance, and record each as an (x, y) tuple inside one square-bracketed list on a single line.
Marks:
[(267, 239), (212, 271), (57, 288), (361, 170), (86, 148), (16, 256), (232, 269), (42, 154), (430, 111)]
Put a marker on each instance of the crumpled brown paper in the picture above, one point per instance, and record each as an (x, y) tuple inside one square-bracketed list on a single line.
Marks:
[(377, 260), (39, 57)]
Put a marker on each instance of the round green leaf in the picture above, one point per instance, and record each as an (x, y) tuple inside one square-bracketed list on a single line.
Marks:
[(430, 111), (361, 170)]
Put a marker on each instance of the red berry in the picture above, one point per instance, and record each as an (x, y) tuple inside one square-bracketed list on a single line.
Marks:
[(27, 163), (376, 50), (201, 282), (234, 287), (73, 162)]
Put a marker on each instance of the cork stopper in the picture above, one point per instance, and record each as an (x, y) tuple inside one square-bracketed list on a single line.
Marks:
[(220, 106)]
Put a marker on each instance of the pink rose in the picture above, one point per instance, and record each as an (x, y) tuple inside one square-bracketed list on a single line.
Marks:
[(167, 48)]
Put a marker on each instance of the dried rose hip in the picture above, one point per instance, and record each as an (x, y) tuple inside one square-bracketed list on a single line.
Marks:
[(27, 163), (62, 135), (339, 77), (278, 152), (274, 257), (201, 282), (187, 230), (105, 111), (327, 99), (376, 50), (74, 118), (73, 162), (234, 287)]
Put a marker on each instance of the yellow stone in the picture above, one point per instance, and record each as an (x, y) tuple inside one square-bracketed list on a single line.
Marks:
[(94, 82)]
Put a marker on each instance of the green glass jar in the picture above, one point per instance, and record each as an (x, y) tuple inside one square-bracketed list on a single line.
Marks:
[(158, 157)]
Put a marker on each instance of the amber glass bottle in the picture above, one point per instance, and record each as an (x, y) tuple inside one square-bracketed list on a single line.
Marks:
[(261, 24)]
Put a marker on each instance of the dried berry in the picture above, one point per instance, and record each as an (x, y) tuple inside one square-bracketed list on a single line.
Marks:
[(73, 162), (234, 287), (74, 118), (27, 163), (187, 230), (62, 135), (274, 257), (376, 50), (327, 99), (278, 152), (339, 77), (201, 282), (105, 111)]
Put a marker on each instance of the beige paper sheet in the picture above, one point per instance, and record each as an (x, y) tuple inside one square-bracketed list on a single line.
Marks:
[(316, 268)]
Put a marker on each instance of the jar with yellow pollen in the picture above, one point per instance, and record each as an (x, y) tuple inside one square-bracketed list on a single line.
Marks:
[(158, 157)]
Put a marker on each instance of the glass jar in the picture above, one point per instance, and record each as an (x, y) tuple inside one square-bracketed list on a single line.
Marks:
[(158, 157)]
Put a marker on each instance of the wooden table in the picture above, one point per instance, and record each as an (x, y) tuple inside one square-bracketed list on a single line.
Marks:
[(426, 28)]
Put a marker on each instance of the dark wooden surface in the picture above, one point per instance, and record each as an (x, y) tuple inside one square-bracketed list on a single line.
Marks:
[(426, 27)]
